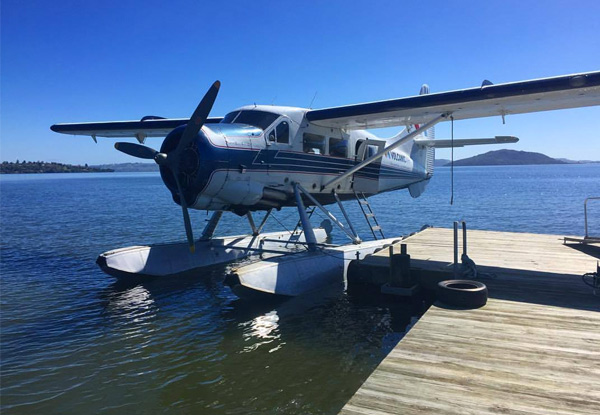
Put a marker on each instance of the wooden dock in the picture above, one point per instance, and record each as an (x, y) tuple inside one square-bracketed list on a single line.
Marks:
[(533, 349)]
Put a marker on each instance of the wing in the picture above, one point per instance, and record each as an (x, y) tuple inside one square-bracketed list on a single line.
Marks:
[(568, 91), (147, 127)]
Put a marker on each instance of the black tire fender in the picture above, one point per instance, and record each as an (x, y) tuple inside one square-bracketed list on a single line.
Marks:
[(462, 293)]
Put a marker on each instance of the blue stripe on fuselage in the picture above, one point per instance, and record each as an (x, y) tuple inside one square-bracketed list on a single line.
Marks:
[(280, 160)]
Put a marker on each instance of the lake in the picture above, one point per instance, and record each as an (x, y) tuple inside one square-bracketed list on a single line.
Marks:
[(73, 341)]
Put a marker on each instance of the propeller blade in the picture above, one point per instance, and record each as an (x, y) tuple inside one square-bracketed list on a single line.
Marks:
[(199, 116), (186, 215), (136, 150)]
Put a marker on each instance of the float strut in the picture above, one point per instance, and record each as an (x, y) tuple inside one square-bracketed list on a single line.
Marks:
[(252, 225), (309, 234), (353, 237), (339, 202), (264, 221), (210, 227)]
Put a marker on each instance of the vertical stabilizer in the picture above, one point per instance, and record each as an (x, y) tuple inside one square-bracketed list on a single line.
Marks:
[(430, 133), (423, 156)]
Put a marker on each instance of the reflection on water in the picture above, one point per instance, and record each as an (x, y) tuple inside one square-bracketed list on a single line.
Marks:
[(131, 300), (187, 346), (73, 341), (262, 329)]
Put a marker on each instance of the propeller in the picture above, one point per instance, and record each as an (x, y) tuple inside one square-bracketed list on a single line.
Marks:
[(199, 117), (137, 150), (173, 158)]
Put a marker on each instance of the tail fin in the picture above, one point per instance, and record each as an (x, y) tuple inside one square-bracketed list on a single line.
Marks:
[(430, 133), (423, 156)]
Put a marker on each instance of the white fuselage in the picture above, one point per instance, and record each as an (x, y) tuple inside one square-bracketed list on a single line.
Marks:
[(255, 167)]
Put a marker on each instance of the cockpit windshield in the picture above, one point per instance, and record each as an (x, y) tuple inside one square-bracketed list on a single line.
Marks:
[(260, 119)]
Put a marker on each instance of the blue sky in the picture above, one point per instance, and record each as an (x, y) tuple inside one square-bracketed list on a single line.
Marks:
[(73, 61)]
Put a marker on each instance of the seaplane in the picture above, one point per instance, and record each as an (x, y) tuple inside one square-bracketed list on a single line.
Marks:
[(264, 158)]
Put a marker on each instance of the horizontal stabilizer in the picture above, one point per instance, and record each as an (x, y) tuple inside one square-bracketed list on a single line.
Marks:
[(461, 142)]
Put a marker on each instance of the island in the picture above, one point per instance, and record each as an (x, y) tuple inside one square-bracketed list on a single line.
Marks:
[(19, 167), (507, 158), (129, 167)]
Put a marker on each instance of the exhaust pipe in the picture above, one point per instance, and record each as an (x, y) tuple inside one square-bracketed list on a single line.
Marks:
[(273, 194)]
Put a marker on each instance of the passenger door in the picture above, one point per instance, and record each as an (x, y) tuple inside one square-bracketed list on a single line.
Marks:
[(366, 180)]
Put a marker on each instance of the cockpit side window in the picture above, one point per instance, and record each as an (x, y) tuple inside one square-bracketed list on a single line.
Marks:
[(229, 118), (283, 132), (260, 119)]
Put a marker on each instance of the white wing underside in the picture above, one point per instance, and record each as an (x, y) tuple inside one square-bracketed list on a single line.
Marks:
[(569, 91), (120, 129)]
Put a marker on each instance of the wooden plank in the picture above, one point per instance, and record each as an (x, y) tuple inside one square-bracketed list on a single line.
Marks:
[(534, 348), (491, 360)]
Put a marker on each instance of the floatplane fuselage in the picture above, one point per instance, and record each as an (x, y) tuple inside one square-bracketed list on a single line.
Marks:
[(252, 159)]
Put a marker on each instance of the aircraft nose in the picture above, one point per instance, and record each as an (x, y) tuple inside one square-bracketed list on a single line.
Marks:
[(190, 161)]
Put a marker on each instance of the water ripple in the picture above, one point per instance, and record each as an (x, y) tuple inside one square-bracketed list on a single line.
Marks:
[(73, 341)]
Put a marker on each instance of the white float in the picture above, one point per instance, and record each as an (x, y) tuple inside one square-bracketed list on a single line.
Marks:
[(161, 260), (299, 273)]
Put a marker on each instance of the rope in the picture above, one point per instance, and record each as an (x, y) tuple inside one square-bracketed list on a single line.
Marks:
[(469, 269), (282, 225), (322, 250)]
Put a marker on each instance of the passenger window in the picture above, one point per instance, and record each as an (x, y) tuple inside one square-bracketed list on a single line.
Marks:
[(283, 133), (338, 147), (314, 144)]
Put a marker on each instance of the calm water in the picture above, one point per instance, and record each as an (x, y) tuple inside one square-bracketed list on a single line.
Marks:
[(73, 341)]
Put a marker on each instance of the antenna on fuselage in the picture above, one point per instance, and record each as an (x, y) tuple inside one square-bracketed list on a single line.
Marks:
[(313, 100)]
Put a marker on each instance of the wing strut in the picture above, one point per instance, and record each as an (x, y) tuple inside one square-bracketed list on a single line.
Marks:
[(386, 150)]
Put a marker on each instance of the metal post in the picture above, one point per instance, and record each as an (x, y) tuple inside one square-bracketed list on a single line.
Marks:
[(210, 227), (585, 216), (309, 234), (455, 249), (587, 234), (392, 270), (464, 229)]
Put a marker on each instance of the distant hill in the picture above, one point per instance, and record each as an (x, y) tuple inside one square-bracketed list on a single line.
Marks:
[(440, 162), (44, 167), (507, 157), (129, 167)]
